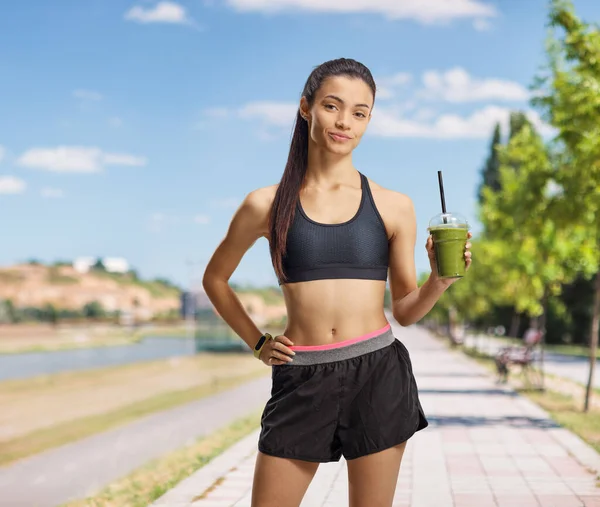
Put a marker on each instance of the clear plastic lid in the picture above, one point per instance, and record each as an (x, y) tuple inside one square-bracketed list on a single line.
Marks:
[(449, 220)]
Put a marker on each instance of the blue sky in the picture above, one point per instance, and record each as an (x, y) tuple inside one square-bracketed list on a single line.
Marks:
[(134, 129)]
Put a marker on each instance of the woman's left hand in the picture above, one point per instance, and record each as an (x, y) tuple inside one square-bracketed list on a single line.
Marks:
[(431, 255)]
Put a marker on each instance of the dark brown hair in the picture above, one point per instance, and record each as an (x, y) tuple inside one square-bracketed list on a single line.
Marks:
[(284, 204)]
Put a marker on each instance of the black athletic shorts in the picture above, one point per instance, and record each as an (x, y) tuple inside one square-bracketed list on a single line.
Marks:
[(351, 398)]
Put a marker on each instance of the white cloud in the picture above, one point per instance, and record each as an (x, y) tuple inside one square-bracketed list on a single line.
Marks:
[(279, 114), (410, 118), (478, 125), (386, 85), (11, 185), (2, 152), (424, 114), (423, 11), (87, 95), (76, 159), (163, 12), (393, 121), (456, 85), (52, 193), (202, 219)]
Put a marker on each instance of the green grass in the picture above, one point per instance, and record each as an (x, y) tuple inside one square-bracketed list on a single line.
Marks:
[(153, 480), (568, 414), (54, 277), (70, 431)]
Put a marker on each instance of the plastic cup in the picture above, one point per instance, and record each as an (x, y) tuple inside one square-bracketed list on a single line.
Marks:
[(449, 232)]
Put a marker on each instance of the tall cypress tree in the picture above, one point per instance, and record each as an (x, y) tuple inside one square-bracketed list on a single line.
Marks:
[(517, 121), (490, 176)]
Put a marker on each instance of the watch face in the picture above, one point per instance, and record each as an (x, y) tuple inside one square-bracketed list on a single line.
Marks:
[(260, 342)]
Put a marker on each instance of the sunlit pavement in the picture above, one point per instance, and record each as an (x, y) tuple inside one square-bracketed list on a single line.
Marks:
[(485, 446)]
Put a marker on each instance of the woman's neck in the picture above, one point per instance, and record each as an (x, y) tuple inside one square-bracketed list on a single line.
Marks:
[(326, 168)]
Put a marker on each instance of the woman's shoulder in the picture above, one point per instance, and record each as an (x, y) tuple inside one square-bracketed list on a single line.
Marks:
[(389, 198), (260, 199), (256, 207)]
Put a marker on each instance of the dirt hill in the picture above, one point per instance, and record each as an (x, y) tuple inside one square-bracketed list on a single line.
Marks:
[(35, 285)]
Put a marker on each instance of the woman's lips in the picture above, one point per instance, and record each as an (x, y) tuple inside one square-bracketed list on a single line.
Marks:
[(339, 137)]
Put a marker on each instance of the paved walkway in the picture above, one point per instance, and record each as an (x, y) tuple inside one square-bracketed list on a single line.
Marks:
[(485, 446)]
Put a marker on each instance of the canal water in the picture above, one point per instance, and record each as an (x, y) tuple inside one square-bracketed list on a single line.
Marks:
[(15, 366)]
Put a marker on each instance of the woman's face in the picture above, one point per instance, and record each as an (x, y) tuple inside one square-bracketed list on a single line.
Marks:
[(340, 113)]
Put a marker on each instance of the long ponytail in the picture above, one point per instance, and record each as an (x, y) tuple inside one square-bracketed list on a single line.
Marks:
[(284, 204)]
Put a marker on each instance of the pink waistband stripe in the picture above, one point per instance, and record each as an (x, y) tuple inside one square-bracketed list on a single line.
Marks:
[(344, 343)]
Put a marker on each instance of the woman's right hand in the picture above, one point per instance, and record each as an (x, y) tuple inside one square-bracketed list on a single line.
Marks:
[(276, 351)]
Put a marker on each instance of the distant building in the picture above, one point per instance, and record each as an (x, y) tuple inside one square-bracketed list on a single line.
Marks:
[(194, 302), (111, 264), (83, 264), (115, 264)]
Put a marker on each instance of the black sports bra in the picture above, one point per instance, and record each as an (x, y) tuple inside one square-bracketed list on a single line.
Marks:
[(357, 248)]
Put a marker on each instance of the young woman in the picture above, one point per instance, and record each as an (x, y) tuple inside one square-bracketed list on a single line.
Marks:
[(342, 384)]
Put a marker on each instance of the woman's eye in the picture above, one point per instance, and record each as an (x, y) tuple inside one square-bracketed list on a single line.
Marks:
[(361, 115), (329, 105)]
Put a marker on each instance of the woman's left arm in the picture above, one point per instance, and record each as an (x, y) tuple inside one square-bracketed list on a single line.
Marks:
[(410, 303)]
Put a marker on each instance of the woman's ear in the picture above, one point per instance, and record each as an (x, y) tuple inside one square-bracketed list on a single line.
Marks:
[(304, 109)]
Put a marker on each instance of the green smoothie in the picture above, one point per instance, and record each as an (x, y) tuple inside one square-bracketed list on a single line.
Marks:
[(449, 242)]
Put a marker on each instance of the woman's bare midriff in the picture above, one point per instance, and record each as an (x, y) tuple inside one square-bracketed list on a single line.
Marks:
[(321, 312)]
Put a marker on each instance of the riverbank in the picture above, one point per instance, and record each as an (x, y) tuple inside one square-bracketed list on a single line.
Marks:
[(43, 338), (23, 338), (51, 410)]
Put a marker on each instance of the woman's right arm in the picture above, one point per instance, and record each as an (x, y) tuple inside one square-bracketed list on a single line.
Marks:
[(249, 223)]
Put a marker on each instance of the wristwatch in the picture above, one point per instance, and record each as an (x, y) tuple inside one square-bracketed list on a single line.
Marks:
[(260, 344)]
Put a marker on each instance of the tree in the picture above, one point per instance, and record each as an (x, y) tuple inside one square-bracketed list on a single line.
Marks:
[(99, 266), (569, 98), (489, 173), (50, 314), (93, 310), (518, 120), (11, 311), (540, 255)]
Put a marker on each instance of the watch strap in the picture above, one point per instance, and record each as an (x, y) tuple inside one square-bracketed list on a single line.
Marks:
[(260, 344)]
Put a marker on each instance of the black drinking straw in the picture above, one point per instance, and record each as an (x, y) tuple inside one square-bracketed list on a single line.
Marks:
[(441, 182)]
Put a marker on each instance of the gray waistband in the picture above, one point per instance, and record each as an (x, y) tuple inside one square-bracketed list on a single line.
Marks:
[(306, 357)]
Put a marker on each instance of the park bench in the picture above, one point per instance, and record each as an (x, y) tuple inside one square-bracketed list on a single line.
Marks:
[(522, 357)]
